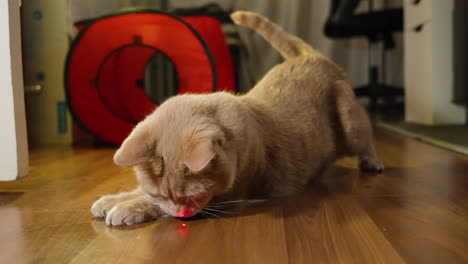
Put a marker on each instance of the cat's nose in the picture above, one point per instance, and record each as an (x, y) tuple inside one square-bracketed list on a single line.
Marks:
[(186, 213), (190, 205)]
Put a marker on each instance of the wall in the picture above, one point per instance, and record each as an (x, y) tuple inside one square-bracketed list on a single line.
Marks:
[(13, 141)]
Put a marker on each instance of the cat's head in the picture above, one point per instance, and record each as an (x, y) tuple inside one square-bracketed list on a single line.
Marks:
[(180, 156)]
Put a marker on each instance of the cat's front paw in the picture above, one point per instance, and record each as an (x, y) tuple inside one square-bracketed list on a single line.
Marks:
[(103, 205), (371, 165), (130, 213)]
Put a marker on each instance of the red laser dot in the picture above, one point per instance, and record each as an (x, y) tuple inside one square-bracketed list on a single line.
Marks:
[(184, 225)]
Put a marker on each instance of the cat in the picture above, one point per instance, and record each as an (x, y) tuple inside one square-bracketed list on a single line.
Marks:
[(197, 149)]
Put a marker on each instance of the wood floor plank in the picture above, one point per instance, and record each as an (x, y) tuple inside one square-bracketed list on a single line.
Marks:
[(422, 231), (415, 212), (230, 240), (336, 230)]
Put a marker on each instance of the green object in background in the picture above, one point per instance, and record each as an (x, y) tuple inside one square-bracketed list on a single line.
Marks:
[(62, 123), (37, 15), (40, 76)]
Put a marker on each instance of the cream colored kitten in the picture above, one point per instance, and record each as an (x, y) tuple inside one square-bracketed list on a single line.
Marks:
[(197, 149)]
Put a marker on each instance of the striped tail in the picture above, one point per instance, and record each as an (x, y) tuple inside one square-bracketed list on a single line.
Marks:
[(288, 45)]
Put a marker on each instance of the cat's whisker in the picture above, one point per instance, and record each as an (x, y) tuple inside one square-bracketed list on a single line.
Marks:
[(228, 202), (242, 201), (207, 214), (219, 211), (212, 214), (221, 206)]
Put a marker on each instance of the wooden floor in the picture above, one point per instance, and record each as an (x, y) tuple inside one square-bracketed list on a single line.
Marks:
[(415, 212)]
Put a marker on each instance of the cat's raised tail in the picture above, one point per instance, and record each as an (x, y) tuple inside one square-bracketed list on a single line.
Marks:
[(288, 45)]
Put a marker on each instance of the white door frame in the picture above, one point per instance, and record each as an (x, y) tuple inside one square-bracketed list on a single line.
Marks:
[(13, 136)]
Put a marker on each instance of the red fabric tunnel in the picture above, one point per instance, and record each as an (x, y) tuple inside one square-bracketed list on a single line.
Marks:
[(106, 66)]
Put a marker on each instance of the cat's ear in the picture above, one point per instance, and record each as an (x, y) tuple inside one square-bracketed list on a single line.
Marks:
[(199, 156), (133, 151)]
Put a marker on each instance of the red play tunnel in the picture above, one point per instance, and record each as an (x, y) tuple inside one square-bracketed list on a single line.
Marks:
[(105, 69)]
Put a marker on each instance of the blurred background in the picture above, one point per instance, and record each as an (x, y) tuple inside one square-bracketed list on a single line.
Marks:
[(404, 57)]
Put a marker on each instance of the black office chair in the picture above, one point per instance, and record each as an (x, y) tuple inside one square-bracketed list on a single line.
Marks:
[(376, 26)]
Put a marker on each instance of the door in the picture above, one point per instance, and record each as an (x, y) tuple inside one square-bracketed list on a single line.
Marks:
[(13, 138)]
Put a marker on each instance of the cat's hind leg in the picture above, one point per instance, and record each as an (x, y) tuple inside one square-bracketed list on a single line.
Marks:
[(356, 128)]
